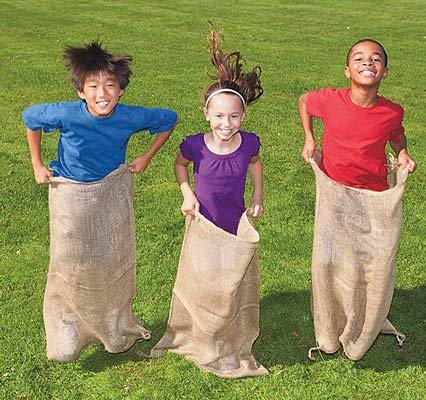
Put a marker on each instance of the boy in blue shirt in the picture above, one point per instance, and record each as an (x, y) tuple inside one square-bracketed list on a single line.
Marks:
[(91, 280), (94, 131)]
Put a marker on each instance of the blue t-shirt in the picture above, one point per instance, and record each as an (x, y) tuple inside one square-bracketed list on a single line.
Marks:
[(91, 147)]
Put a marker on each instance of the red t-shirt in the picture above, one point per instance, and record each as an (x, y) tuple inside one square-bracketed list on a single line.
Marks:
[(354, 140)]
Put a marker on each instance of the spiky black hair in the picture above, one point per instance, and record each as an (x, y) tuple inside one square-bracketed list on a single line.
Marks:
[(93, 59)]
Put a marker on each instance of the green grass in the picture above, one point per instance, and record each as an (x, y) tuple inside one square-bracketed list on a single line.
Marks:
[(300, 45)]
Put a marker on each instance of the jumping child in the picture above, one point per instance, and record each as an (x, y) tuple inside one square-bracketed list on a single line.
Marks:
[(214, 315), (358, 214), (91, 279)]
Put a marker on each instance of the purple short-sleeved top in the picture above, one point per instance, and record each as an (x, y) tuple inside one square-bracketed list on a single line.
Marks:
[(219, 179)]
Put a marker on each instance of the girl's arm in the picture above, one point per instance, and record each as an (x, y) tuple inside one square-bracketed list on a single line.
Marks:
[(256, 175), (190, 203), (306, 120), (404, 158), (140, 163), (41, 173)]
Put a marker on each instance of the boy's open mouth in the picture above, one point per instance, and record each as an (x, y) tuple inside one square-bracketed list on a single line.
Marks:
[(367, 73)]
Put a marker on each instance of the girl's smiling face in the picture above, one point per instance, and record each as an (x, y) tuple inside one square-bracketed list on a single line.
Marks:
[(225, 112), (366, 64), (101, 92)]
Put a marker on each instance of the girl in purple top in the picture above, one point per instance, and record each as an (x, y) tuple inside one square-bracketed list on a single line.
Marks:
[(223, 155)]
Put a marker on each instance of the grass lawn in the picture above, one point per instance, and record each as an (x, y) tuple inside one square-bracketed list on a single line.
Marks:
[(301, 45)]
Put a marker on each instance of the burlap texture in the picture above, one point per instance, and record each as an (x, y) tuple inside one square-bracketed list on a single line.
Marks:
[(356, 238), (91, 279), (214, 315)]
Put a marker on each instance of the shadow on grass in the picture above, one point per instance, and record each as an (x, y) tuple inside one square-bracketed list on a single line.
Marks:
[(287, 333), (101, 360), (286, 330), (408, 315)]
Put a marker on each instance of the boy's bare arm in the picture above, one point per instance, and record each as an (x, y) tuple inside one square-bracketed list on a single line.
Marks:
[(190, 203), (256, 175), (404, 158), (41, 173), (140, 163), (309, 147)]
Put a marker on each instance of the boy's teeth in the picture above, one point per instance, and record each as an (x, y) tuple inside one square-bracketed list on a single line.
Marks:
[(367, 73)]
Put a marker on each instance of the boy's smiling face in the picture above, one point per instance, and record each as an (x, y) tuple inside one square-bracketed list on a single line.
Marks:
[(366, 64), (101, 92)]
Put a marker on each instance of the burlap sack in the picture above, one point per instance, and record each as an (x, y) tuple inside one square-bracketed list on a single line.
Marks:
[(214, 315), (91, 280), (356, 238)]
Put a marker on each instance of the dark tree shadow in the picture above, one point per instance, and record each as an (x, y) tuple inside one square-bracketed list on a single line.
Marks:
[(408, 315), (287, 332)]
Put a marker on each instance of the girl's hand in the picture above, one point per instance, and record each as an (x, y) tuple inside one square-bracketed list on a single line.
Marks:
[(406, 161), (139, 164), (256, 210), (42, 174), (308, 149), (190, 205)]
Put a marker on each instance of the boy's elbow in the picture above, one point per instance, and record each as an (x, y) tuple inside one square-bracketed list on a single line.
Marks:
[(30, 131), (302, 99), (173, 119)]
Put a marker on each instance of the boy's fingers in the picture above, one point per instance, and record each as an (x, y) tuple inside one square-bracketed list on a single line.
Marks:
[(132, 168), (307, 154)]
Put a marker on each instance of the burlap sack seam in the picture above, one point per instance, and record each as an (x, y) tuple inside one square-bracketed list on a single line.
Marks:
[(222, 231), (118, 171), (401, 182)]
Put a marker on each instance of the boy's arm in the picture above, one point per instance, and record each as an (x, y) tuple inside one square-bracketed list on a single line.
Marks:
[(400, 148), (41, 173), (140, 163), (309, 147), (256, 175), (190, 203)]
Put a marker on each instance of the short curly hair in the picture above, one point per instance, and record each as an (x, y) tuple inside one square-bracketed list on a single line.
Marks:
[(385, 55)]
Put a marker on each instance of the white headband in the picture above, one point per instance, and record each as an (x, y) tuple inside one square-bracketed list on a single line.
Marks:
[(226, 91)]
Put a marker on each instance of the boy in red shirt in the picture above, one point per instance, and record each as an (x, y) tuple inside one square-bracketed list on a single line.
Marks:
[(357, 220), (357, 122)]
